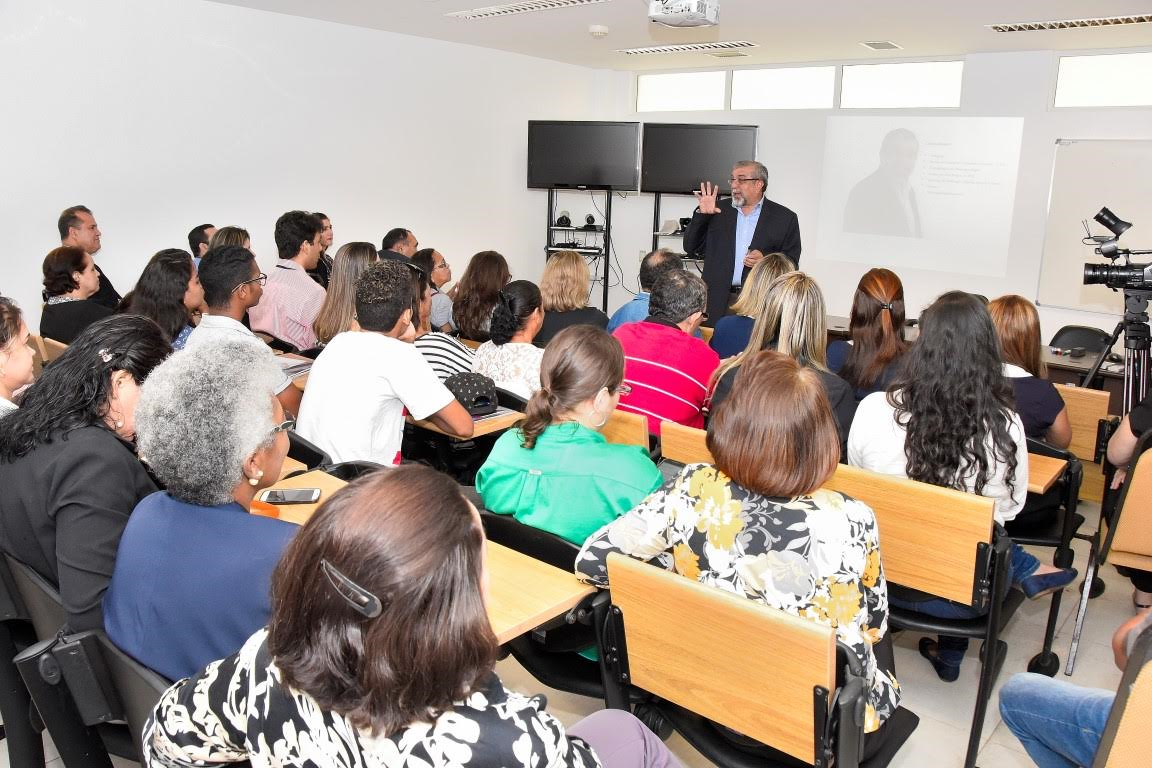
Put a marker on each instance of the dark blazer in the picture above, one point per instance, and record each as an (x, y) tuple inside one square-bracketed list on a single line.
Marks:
[(714, 236)]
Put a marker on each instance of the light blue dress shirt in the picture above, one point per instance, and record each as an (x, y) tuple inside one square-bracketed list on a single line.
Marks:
[(745, 228)]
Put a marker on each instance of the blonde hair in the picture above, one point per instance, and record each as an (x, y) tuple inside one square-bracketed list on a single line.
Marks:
[(339, 307), (564, 286), (755, 293), (793, 319)]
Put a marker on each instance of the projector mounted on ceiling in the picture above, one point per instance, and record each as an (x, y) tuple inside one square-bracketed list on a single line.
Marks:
[(684, 13)]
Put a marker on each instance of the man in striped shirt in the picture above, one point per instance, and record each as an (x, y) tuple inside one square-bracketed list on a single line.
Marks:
[(667, 368)]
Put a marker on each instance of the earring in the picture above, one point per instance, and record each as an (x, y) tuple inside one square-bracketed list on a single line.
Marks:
[(119, 423), (254, 481)]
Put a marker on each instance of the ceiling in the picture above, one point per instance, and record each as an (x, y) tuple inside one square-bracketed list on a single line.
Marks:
[(818, 30)]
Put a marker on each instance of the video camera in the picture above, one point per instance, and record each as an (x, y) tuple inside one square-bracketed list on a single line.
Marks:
[(1115, 276)]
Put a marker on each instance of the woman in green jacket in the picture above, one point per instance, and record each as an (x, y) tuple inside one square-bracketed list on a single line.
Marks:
[(555, 471)]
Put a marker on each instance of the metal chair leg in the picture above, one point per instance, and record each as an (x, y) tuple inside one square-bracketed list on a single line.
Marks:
[(1081, 610)]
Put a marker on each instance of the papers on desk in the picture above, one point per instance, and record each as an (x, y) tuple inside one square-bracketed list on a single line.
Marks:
[(500, 411), (294, 366)]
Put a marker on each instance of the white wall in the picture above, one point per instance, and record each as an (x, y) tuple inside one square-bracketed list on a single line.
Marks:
[(1000, 84), (164, 114)]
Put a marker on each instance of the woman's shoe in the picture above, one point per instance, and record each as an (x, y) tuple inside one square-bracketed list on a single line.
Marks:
[(1039, 584), (946, 672)]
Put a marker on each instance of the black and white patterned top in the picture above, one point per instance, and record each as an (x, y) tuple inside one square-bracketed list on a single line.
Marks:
[(238, 709)]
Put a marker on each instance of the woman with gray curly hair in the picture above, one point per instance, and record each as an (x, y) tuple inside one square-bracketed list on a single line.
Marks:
[(194, 567)]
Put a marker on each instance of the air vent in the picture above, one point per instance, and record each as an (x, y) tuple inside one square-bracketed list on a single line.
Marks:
[(531, 6), (881, 45), (728, 55), (1034, 26), (728, 45)]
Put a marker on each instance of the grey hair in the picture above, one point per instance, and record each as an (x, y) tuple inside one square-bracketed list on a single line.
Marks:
[(761, 171), (202, 413), (676, 295)]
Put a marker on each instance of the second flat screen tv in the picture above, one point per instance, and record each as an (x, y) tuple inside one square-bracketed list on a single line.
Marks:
[(677, 157), (583, 155)]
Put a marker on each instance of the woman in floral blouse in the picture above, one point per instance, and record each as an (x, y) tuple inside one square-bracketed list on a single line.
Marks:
[(379, 653), (758, 523)]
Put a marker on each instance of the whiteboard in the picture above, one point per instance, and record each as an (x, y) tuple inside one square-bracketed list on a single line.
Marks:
[(1089, 175)]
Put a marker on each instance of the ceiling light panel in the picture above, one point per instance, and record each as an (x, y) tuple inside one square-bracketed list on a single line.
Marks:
[(1035, 26), (688, 48), (510, 9)]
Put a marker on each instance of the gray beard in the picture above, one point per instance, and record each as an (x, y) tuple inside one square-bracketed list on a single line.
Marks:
[(738, 199)]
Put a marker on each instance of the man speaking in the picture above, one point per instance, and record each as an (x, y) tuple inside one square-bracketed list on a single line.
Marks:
[(734, 236)]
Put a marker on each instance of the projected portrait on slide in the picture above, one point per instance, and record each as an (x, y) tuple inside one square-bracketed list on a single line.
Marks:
[(884, 201)]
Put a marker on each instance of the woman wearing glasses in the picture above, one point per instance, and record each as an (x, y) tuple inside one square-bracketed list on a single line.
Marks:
[(380, 653), (556, 471), (193, 569)]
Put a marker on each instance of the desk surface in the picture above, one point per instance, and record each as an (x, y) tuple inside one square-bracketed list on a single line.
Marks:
[(1043, 472), (479, 428), (524, 592)]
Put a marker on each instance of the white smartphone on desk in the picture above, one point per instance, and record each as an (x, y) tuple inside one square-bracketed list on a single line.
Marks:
[(289, 496)]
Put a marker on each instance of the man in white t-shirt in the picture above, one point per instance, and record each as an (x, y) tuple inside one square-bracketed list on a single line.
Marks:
[(363, 382)]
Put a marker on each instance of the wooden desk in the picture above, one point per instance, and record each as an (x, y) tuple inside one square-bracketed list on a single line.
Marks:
[(524, 592), (1043, 472), (290, 466), (479, 428)]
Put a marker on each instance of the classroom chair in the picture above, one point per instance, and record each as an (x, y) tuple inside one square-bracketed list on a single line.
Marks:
[(50, 349), (1093, 340), (22, 738), (511, 400), (626, 428), (1124, 743), (305, 452), (693, 646)]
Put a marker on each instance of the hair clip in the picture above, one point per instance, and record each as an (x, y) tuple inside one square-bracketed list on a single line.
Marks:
[(887, 306), (363, 601), (105, 355)]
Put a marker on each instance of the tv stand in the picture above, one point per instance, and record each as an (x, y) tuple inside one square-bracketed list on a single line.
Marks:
[(595, 241)]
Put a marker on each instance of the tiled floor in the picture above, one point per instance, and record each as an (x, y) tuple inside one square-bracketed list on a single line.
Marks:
[(945, 709)]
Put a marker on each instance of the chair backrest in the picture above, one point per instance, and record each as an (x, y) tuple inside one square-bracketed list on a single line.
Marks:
[(1128, 537), (537, 544), (707, 670), (706, 332), (931, 535), (511, 400), (40, 598), (1086, 407), (1124, 743), (52, 349), (686, 445), (626, 428), (305, 452), (1092, 339)]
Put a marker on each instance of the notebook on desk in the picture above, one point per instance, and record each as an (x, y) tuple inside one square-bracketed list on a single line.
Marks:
[(500, 411), (294, 366)]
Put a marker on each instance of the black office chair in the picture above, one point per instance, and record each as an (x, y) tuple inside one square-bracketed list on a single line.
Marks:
[(305, 452), (24, 742), (1093, 340), (550, 652), (1051, 520), (350, 470)]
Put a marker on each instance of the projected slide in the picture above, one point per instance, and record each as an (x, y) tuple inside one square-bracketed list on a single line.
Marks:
[(931, 193)]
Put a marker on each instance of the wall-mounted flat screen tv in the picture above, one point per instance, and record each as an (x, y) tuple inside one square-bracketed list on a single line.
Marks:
[(678, 156), (583, 155)]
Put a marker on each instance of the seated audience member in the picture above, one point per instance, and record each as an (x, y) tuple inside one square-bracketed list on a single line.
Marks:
[(1038, 403), (168, 293), (793, 322), (399, 245), (439, 274), (233, 284), (444, 353), (478, 293), (70, 282), (731, 332), (555, 471), (765, 527), (869, 361), (947, 420), (654, 264), (364, 381), (380, 652), (1060, 724), (323, 271), (510, 358), (213, 435), (292, 299), (666, 368), (67, 465), (78, 229), (229, 236), (338, 312), (564, 290), (1121, 448), (198, 240), (16, 355)]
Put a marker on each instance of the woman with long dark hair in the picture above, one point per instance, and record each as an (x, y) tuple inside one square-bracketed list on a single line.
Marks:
[(168, 293), (510, 358), (380, 652), (477, 294), (67, 465), (869, 361), (947, 420), (555, 471)]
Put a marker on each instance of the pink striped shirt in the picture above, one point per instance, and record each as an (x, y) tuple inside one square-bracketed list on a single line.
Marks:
[(290, 303), (668, 371)]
